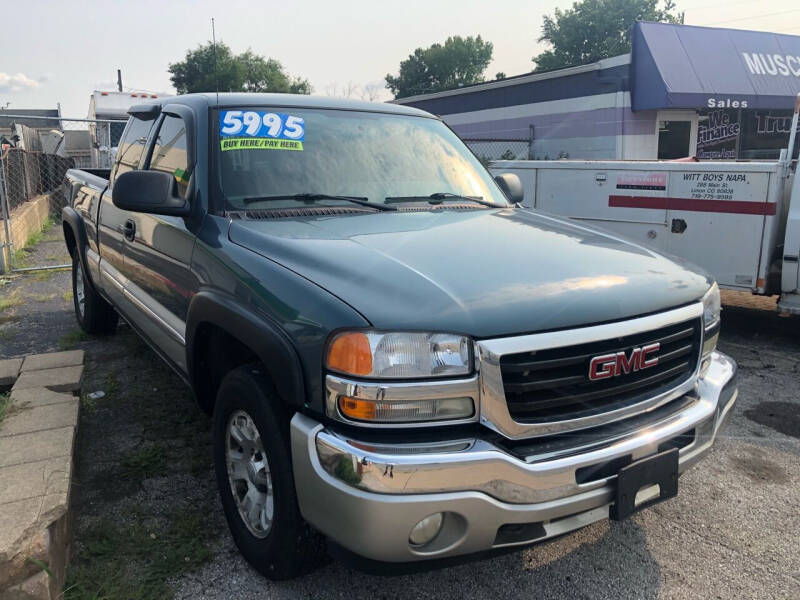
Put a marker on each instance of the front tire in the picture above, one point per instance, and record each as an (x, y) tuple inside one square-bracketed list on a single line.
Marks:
[(254, 474), (93, 313)]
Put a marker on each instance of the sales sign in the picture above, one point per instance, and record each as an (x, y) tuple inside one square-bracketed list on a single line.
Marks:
[(260, 130)]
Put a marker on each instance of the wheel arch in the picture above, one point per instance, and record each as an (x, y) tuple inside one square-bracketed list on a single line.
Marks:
[(222, 334), (75, 238)]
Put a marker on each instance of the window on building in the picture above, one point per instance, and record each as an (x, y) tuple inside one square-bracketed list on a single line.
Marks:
[(718, 134), (765, 133), (673, 139), (169, 151), (132, 145)]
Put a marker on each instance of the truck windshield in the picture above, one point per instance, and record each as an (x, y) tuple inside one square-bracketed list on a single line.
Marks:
[(267, 156)]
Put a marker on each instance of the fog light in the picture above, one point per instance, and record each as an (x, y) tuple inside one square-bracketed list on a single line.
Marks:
[(427, 529)]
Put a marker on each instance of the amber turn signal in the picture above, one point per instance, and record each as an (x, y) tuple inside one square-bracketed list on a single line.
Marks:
[(350, 353), (362, 410)]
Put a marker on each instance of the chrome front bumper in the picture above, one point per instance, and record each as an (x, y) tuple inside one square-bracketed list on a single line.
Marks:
[(368, 497)]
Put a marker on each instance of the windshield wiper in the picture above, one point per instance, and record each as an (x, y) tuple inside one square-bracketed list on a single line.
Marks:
[(439, 197), (314, 197)]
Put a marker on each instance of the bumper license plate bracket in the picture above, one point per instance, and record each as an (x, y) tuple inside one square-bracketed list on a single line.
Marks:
[(660, 469)]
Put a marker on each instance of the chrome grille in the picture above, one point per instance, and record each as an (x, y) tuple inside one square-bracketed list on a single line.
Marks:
[(553, 384)]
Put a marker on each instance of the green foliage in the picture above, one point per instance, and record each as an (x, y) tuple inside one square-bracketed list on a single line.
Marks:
[(72, 338), (345, 471), (144, 463), (460, 61), (595, 29), (10, 300), (246, 72), (135, 561), (4, 403)]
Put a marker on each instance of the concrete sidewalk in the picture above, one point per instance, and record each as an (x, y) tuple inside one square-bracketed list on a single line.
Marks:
[(36, 446)]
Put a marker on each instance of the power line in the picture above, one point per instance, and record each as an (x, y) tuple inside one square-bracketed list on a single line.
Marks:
[(783, 12)]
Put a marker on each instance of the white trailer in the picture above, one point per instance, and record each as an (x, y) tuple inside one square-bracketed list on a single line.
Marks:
[(740, 221)]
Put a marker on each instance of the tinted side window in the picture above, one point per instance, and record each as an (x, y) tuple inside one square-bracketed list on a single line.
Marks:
[(169, 151), (132, 145)]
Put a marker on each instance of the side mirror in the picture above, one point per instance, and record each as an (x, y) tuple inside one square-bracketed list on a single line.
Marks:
[(511, 186), (153, 192)]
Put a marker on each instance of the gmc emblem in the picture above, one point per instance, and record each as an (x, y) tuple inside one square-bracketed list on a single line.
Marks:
[(612, 365)]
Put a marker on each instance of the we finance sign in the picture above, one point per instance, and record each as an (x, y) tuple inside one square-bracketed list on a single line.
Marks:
[(783, 65)]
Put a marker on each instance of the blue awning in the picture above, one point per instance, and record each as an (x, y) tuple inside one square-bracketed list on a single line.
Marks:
[(680, 66)]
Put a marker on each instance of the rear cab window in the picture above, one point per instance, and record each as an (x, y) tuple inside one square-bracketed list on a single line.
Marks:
[(169, 151), (132, 146)]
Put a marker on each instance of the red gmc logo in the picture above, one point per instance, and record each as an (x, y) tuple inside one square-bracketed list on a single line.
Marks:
[(612, 365)]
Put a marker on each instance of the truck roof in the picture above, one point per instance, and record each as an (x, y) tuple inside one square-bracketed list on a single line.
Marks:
[(213, 100)]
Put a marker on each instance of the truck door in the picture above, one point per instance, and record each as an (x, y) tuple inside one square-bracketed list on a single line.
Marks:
[(716, 220), (111, 230), (158, 259)]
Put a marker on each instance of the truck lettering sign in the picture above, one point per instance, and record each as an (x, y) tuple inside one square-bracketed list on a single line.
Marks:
[(644, 181), (619, 363)]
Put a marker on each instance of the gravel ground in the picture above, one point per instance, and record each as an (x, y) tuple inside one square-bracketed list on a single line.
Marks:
[(144, 464)]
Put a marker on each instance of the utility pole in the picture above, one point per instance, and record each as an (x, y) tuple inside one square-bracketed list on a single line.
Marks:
[(119, 80)]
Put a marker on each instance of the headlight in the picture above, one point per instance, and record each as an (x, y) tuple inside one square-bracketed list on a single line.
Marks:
[(711, 321), (711, 307), (399, 355)]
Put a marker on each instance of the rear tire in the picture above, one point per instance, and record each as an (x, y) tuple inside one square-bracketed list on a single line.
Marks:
[(253, 466), (93, 313)]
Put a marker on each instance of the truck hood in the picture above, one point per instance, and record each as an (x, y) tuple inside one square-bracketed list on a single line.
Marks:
[(484, 273)]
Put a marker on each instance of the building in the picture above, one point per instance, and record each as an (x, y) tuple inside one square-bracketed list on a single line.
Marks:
[(683, 91), (22, 128)]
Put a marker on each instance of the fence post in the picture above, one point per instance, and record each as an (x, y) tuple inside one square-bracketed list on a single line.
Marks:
[(5, 247), (531, 137)]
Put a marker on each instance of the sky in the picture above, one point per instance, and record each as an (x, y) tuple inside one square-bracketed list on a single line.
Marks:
[(59, 51)]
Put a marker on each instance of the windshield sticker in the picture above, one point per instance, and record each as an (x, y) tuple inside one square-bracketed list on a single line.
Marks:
[(260, 130)]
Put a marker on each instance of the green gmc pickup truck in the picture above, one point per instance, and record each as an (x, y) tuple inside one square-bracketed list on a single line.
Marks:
[(402, 364)]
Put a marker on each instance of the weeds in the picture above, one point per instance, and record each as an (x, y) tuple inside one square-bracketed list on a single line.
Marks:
[(72, 338), (46, 275), (135, 561), (20, 256), (144, 462), (11, 300), (111, 386), (44, 297), (67, 296), (4, 405)]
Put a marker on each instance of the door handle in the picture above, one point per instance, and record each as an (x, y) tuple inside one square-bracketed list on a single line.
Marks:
[(678, 225), (130, 230)]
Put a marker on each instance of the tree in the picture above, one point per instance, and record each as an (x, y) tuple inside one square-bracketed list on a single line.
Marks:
[(246, 72), (460, 61), (595, 29)]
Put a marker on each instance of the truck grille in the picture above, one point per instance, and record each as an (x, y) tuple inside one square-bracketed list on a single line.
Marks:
[(554, 385)]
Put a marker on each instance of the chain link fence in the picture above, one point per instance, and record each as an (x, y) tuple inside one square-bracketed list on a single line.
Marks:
[(499, 149), (35, 154)]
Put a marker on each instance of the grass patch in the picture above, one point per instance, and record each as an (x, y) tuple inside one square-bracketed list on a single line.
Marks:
[(46, 275), (111, 387), (20, 256), (44, 297), (144, 462), (134, 562), (11, 300), (67, 296), (72, 338), (4, 405)]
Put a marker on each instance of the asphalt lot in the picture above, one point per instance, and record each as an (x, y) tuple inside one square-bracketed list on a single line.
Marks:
[(149, 524)]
